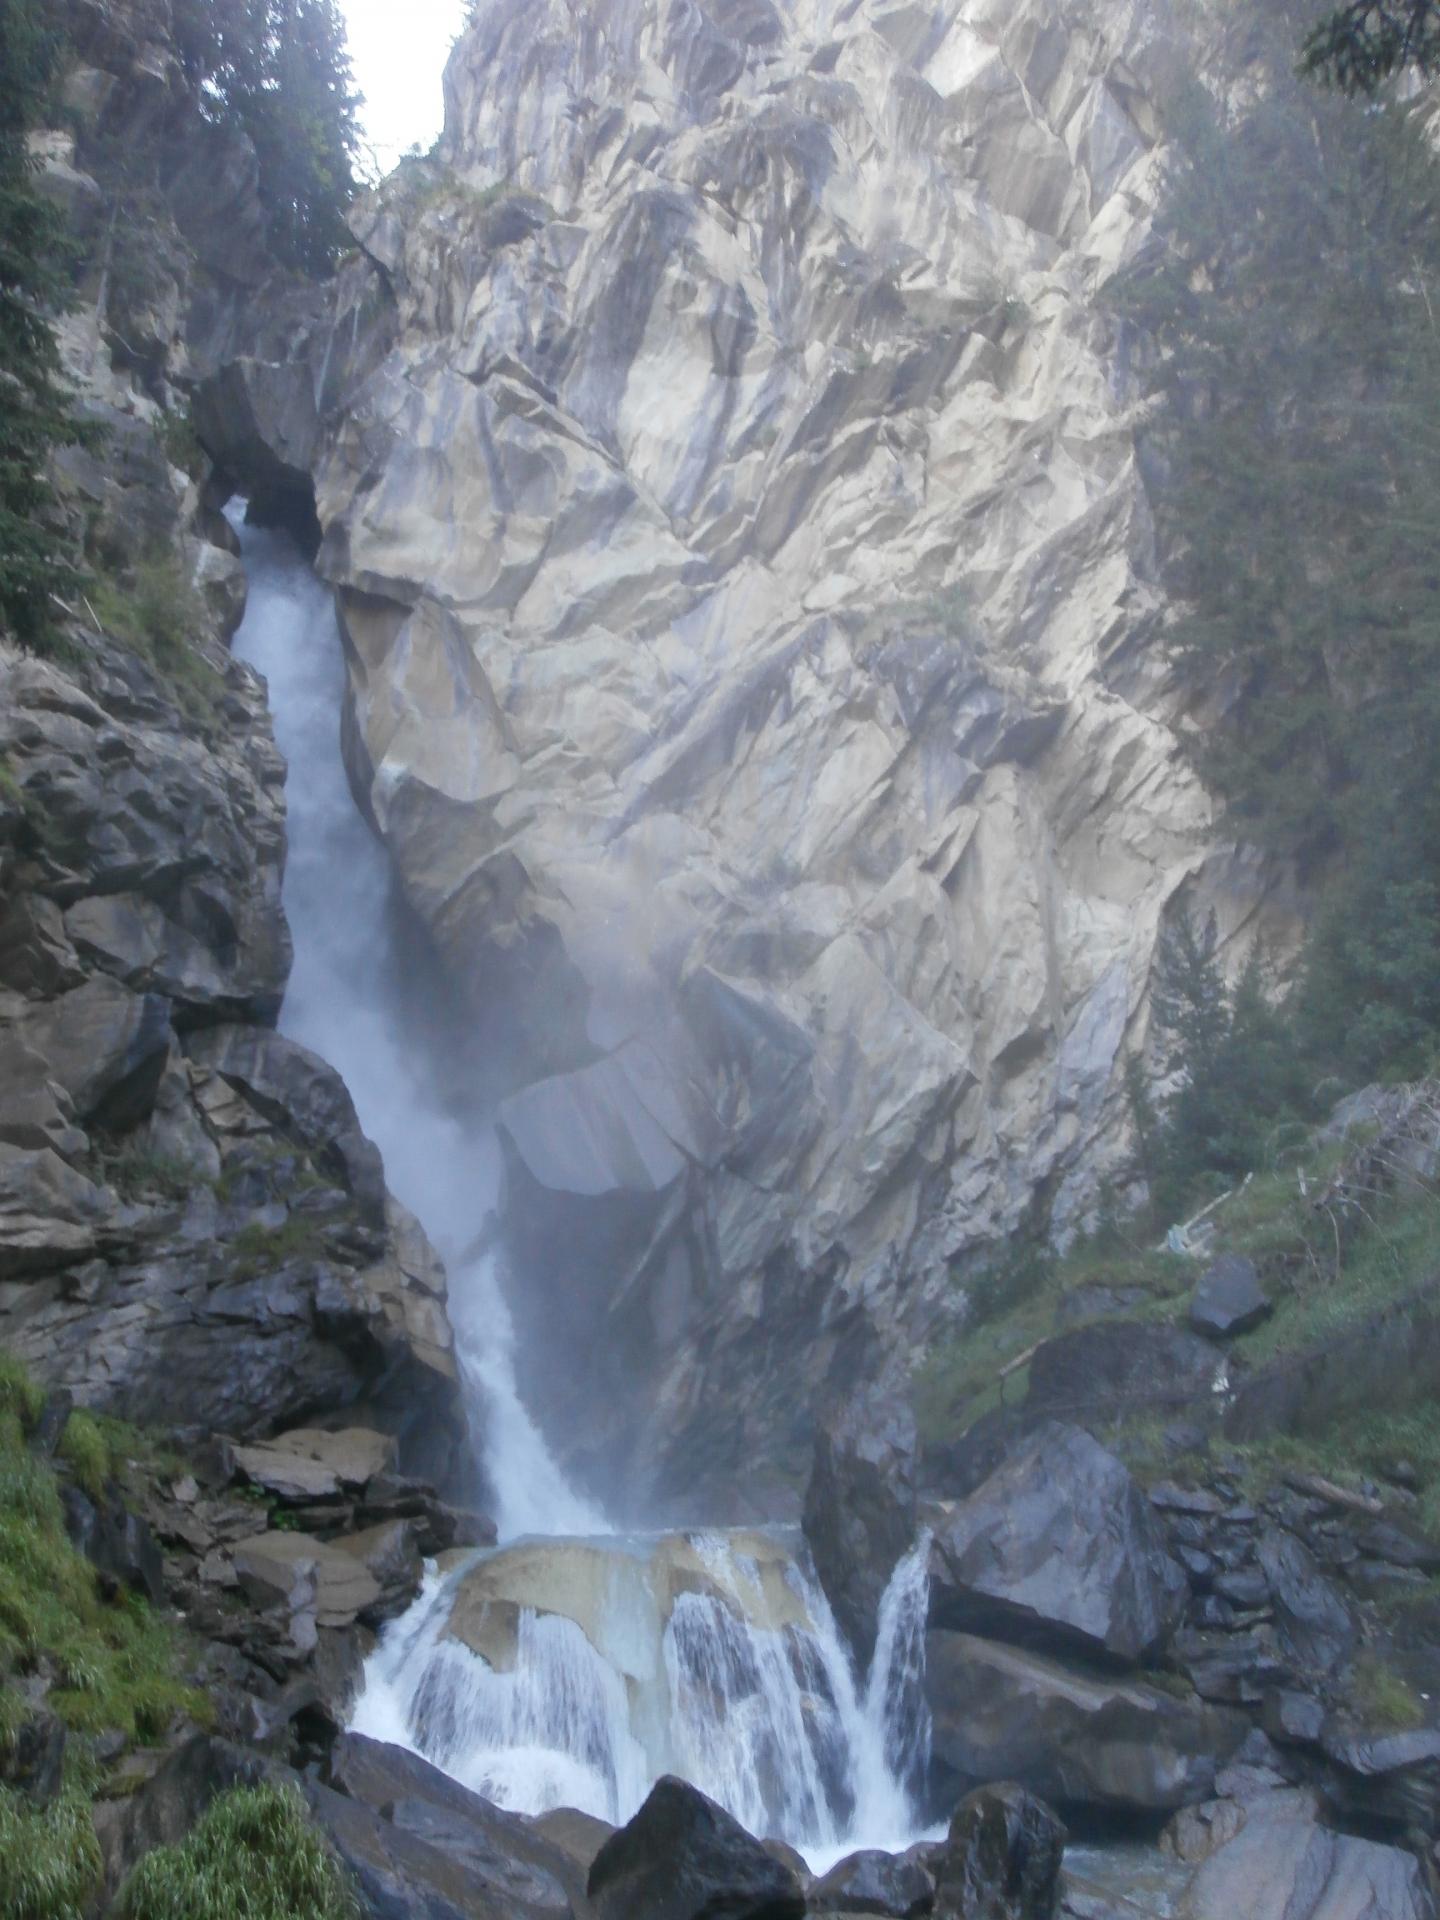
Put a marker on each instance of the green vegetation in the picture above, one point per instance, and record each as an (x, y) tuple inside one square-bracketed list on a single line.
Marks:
[(157, 612), (136, 1171), (280, 71), (1363, 44), (1383, 1699), (254, 1856), (49, 1857), (262, 1249), (1296, 463), (85, 1450), (35, 414), (1333, 1247), (114, 1662)]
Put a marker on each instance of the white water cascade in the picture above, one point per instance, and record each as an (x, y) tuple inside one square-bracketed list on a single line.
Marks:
[(572, 1666)]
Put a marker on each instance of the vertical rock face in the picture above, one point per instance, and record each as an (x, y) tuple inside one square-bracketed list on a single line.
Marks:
[(748, 586)]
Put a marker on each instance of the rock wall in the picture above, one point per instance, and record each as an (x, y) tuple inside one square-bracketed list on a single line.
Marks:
[(751, 605), (194, 1232)]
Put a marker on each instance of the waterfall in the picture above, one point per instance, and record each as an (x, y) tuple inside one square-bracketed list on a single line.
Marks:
[(764, 1717), (608, 1660), (343, 1003)]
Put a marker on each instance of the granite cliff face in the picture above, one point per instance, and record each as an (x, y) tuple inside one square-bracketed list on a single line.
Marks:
[(748, 586)]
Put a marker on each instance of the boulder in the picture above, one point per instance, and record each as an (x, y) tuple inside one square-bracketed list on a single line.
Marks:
[(684, 1858), (312, 1463), (1389, 1778), (391, 1557), (578, 1835), (106, 1046), (1058, 1548), (898, 1885), (510, 1863), (1001, 1858), (1314, 1623), (117, 1542), (1088, 1375), (282, 1565), (1283, 1865), (860, 1506), (50, 1215), (1083, 1739), (1228, 1299)]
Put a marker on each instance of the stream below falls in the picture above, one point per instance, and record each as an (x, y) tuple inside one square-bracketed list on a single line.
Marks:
[(570, 1665)]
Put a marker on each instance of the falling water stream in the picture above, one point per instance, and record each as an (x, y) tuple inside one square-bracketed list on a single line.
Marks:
[(608, 1659)]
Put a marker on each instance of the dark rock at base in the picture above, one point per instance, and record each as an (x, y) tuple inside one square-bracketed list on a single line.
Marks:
[(1392, 1779), (1095, 1372), (33, 1759), (1058, 1548), (1079, 1738), (1283, 1865), (503, 1855), (874, 1882), (165, 1809), (684, 1858), (1229, 1299), (1001, 1859), (860, 1514), (116, 1542), (398, 1876)]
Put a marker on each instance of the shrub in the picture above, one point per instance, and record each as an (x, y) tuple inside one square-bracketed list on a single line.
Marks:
[(254, 1856)]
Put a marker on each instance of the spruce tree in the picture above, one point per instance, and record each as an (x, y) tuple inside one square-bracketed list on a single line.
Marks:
[(280, 70)]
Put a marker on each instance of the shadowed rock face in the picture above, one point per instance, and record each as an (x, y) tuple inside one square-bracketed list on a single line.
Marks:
[(747, 584)]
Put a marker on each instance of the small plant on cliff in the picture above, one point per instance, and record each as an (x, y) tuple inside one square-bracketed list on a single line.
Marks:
[(254, 1856), (157, 612)]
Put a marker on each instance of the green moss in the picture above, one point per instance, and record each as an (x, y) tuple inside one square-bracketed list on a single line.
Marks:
[(115, 1660), (157, 612), (254, 1856), (84, 1450), (1383, 1699), (260, 1250), (49, 1857)]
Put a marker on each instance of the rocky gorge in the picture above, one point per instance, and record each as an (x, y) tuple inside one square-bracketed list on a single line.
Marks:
[(721, 457)]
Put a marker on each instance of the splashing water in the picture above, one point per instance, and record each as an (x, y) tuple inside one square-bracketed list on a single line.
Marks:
[(707, 1679), (764, 1717)]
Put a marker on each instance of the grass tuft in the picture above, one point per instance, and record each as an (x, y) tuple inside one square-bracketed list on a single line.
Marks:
[(85, 1450), (1383, 1699), (254, 1856), (49, 1857)]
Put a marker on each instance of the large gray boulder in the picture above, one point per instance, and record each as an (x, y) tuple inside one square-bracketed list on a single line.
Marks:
[(508, 1866), (860, 1506), (1001, 1858), (1077, 1738), (684, 1858), (1058, 1548), (897, 1886), (1283, 1865), (1228, 1299)]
